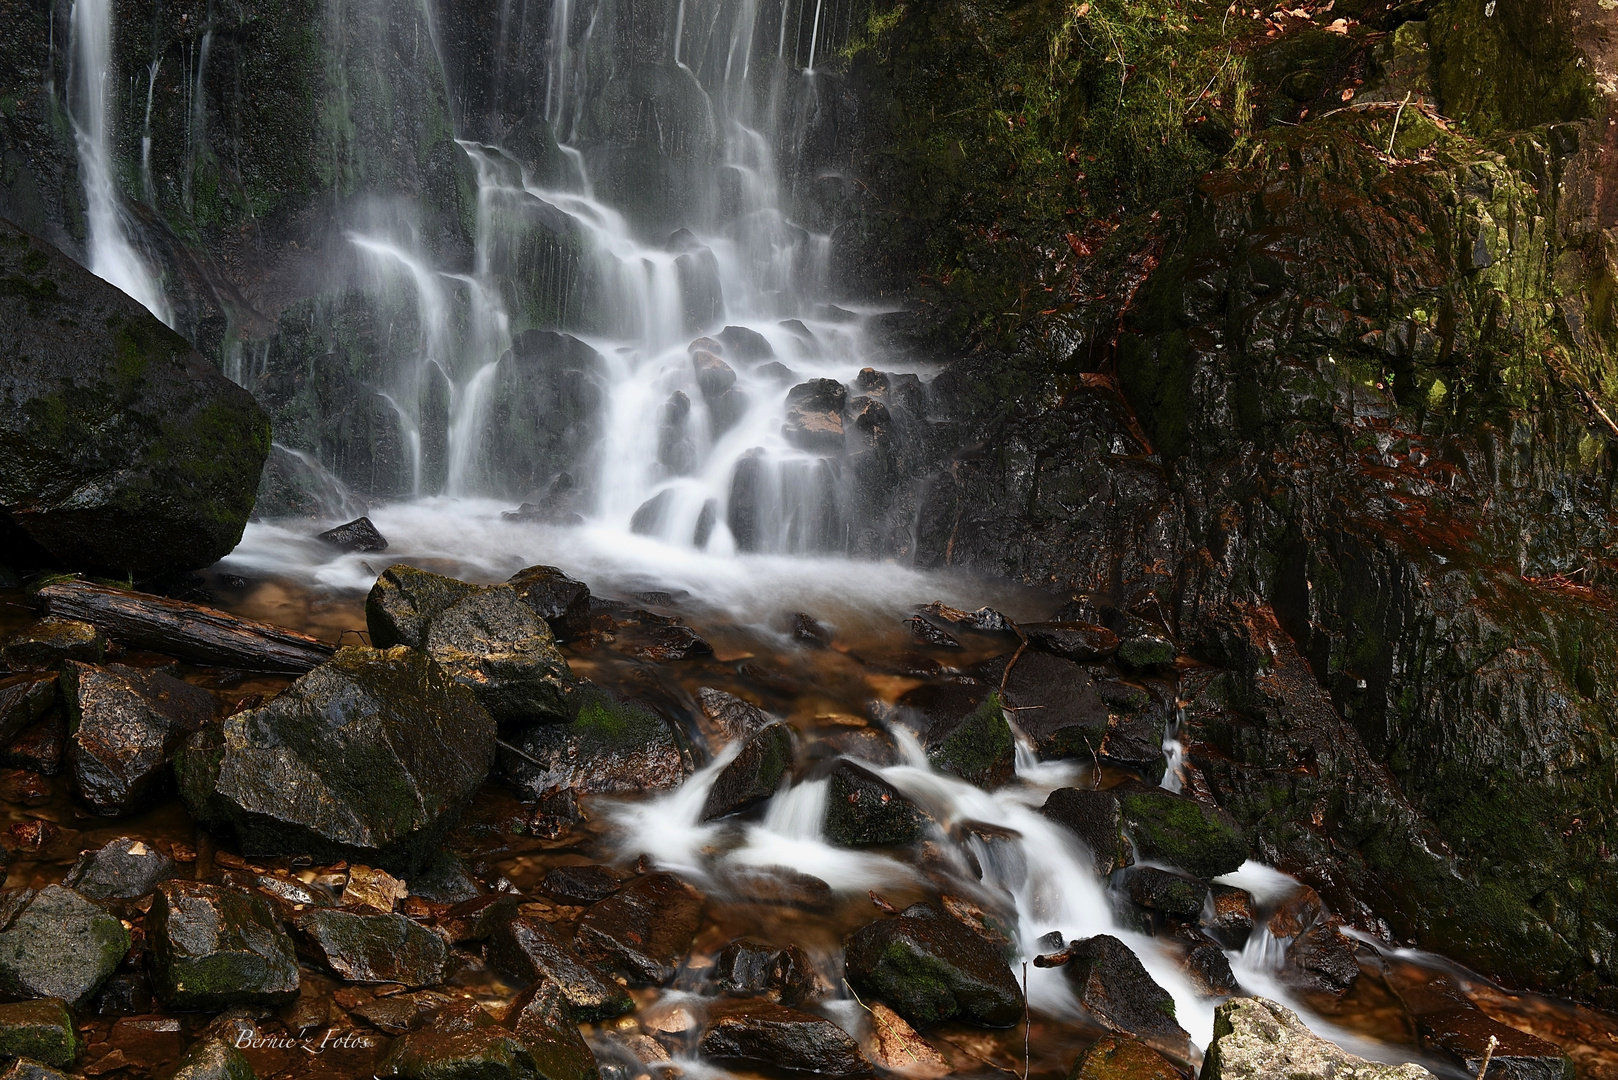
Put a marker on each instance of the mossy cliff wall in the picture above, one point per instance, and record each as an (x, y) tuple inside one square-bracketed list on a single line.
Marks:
[(1297, 335)]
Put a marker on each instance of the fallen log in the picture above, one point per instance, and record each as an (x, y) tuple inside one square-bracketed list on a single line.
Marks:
[(191, 632)]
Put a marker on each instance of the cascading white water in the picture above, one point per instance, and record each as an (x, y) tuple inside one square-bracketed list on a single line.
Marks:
[(112, 254)]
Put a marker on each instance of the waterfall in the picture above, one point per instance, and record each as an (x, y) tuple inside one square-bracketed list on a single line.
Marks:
[(112, 254)]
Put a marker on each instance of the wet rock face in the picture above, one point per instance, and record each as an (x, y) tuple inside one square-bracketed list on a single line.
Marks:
[(121, 869), (612, 747), (40, 1031), (23, 700), (726, 717), (581, 885), (1059, 705), (864, 810), (462, 1041), (529, 949), (556, 598), (370, 756), (1255, 1039), (749, 968), (123, 725), (1095, 817), (59, 945), (963, 727), (1081, 642), (763, 1034), (50, 643), (376, 948), (122, 450), (1110, 982), (486, 637), (1200, 839), (357, 535), (815, 415), (754, 776), (1172, 894), (214, 947), (929, 968), (543, 1021), (644, 931)]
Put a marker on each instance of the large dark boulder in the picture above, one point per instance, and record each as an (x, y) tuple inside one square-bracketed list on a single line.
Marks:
[(376, 948), (759, 1033), (963, 727), (644, 930), (59, 945), (556, 598), (1110, 982), (547, 1025), (754, 775), (528, 949), (121, 869), (369, 756), (1200, 839), (123, 725), (122, 450), (864, 810), (930, 968), (1094, 816), (213, 947), (611, 747)]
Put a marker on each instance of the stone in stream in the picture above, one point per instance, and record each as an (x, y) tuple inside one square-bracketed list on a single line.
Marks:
[(556, 598), (357, 535), (612, 747), (1231, 916), (404, 601), (50, 643), (120, 869), (963, 727), (864, 810), (399, 1013), (726, 718), (643, 931), (1256, 1039), (546, 1024), (58, 945), (759, 1033), (1167, 892), (1097, 820), (780, 885), (123, 450), (213, 1059), (1119, 1057), (1202, 840), (444, 880), (714, 376), (755, 774), (528, 949), (1321, 958), (581, 885), (1206, 962), (664, 643), (24, 699), (27, 1069), (41, 1031), (1146, 652), (369, 757), (814, 419), (213, 947), (123, 726), (462, 1043), (496, 646), (374, 948), (931, 969), (750, 968), (1110, 982), (1059, 704), (745, 344), (1082, 642)]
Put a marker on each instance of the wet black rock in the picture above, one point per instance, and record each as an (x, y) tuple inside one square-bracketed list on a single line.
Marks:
[(376, 948), (750, 968), (807, 630), (644, 931), (50, 643), (401, 606), (781, 885), (773, 1036), (398, 1013), (41, 1031), (547, 1025), (1463, 1033), (1169, 893), (28, 1069), (213, 1059), (123, 451), (1118, 1057), (369, 756), (444, 880), (612, 747), (462, 1043), (925, 633), (1176, 829), (1110, 982), (123, 726), (497, 647), (358, 535), (528, 948), (1231, 915), (1097, 820), (556, 598), (1206, 962), (1083, 642), (23, 700), (120, 869), (964, 730), (213, 947), (1059, 705), (864, 810), (714, 376), (663, 643), (58, 945), (754, 776), (929, 969), (1146, 652), (814, 419), (581, 885), (745, 344), (1321, 958), (726, 718)]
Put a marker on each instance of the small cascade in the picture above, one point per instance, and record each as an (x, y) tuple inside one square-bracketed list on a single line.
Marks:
[(111, 250)]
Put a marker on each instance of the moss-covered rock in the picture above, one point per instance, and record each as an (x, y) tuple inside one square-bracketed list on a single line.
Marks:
[(60, 945), (864, 810), (213, 947), (1200, 839), (122, 451), (213, 1059), (376, 948), (755, 774), (611, 746), (930, 969), (40, 1030)]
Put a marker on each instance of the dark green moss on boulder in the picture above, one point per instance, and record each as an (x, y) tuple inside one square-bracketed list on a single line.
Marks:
[(213, 1059), (930, 969), (980, 748), (754, 775), (1202, 840), (40, 1030), (864, 810), (370, 948), (612, 746), (214, 947), (60, 945)]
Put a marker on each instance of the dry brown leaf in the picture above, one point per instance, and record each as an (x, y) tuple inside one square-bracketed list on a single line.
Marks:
[(900, 1049)]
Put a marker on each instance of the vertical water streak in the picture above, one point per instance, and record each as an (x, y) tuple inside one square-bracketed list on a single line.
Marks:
[(112, 254)]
